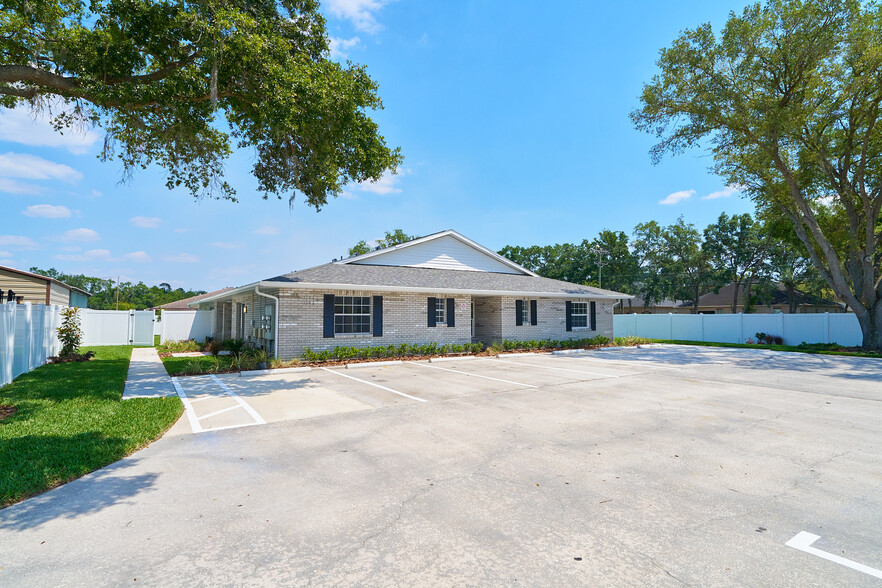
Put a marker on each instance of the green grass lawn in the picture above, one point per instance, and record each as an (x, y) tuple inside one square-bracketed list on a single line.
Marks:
[(70, 420), (772, 347), (156, 340)]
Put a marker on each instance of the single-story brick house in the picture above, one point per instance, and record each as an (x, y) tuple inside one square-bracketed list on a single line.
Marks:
[(442, 288)]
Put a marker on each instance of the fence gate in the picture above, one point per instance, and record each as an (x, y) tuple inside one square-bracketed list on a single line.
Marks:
[(117, 327), (141, 329)]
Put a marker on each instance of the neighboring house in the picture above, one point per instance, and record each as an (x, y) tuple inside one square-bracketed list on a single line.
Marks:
[(28, 287), (184, 303), (770, 298), (443, 288)]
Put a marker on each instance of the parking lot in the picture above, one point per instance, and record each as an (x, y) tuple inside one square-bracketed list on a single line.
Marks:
[(660, 466)]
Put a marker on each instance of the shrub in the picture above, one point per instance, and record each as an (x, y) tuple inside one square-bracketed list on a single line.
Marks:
[(234, 346), (70, 334), (214, 348)]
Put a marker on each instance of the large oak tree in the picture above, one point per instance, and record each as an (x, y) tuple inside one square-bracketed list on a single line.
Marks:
[(181, 83), (787, 97)]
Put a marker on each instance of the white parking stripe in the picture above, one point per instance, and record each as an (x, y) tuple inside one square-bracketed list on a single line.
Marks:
[(257, 418), (374, 385), (217, 412), (191, 414), (435, 367), (559, 369), (627, 363), (803, 542)]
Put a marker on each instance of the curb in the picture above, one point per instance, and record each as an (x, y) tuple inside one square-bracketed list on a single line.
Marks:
[(613, 348), (649, 345), (568, 351), (437, 359), (295, 370), (522, 354), (372, 364)]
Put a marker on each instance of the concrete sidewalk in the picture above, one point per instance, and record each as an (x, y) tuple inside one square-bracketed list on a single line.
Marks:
[(147, 377)]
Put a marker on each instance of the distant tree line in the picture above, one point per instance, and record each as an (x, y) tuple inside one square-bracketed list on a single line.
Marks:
[(131, 296), (679, 262)]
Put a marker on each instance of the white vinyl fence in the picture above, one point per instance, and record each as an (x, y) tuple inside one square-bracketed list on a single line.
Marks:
[(180, 325), (841, 328), (27, 337), (117, 327)]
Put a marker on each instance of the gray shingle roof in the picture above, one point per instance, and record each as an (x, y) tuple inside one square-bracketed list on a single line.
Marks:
[(440, 280)]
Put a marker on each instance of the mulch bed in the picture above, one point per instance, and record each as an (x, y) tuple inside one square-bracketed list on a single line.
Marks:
[(7, 411)]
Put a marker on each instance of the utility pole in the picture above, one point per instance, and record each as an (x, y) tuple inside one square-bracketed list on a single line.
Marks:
[(600, 264)]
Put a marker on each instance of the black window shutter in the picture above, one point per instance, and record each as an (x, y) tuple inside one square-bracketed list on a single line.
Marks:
[(431, 312), (378, 316), (534, 319), (329, 316), (593, 316), (519, 313), (451, 312), (569, 316)]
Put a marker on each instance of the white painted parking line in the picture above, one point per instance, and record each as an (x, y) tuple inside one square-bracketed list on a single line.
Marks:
[(627, 363), (191, 414), (560, 369), (803, 542), (373, 384), (435, 367), (217, 412), (257, 418)]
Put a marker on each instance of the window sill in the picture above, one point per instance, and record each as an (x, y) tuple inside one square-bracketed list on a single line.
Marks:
[(352, 335)]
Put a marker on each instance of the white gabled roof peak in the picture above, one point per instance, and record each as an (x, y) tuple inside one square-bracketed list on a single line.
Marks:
[(373, 257)]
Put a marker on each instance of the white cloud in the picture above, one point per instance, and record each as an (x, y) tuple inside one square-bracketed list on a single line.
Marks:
[(31, 167), (5, 254), (359, 12), (47, 211), (137, 256), (96, 194), (268, 230), (90, 255), (81, 235), (18, 242), (677, 197), (19, 126), (724, 193), (16, 187), (181, 258), (146, 222), (226, 245), (340, 47), (387, 184)]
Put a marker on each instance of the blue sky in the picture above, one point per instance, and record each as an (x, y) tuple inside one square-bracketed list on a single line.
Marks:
[(512, 118)]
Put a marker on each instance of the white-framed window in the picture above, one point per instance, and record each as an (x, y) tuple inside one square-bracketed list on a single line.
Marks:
[(580, 314), (352, 314), (525, 312), (440, 311)]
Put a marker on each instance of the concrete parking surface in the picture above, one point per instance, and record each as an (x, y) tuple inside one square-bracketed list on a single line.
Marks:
[(664, 466)]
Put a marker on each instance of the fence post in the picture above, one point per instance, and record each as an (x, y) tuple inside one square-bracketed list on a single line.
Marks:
[(827, 326), (741, 327), (671, 326), (781, 320), (701, 316)]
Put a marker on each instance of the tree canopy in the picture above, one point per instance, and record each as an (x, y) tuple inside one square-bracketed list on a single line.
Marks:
[(787, 98), (396, 237), (179, 84), (131, 296)]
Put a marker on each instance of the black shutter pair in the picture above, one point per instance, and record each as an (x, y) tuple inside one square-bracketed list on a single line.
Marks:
[(519, 313), (430, 312), (328, 315), (592, 315)]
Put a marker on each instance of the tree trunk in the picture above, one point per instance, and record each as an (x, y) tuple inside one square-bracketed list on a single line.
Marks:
[(695, 299), (747, 304), (871, 326), (735, 297), (791, 298)]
